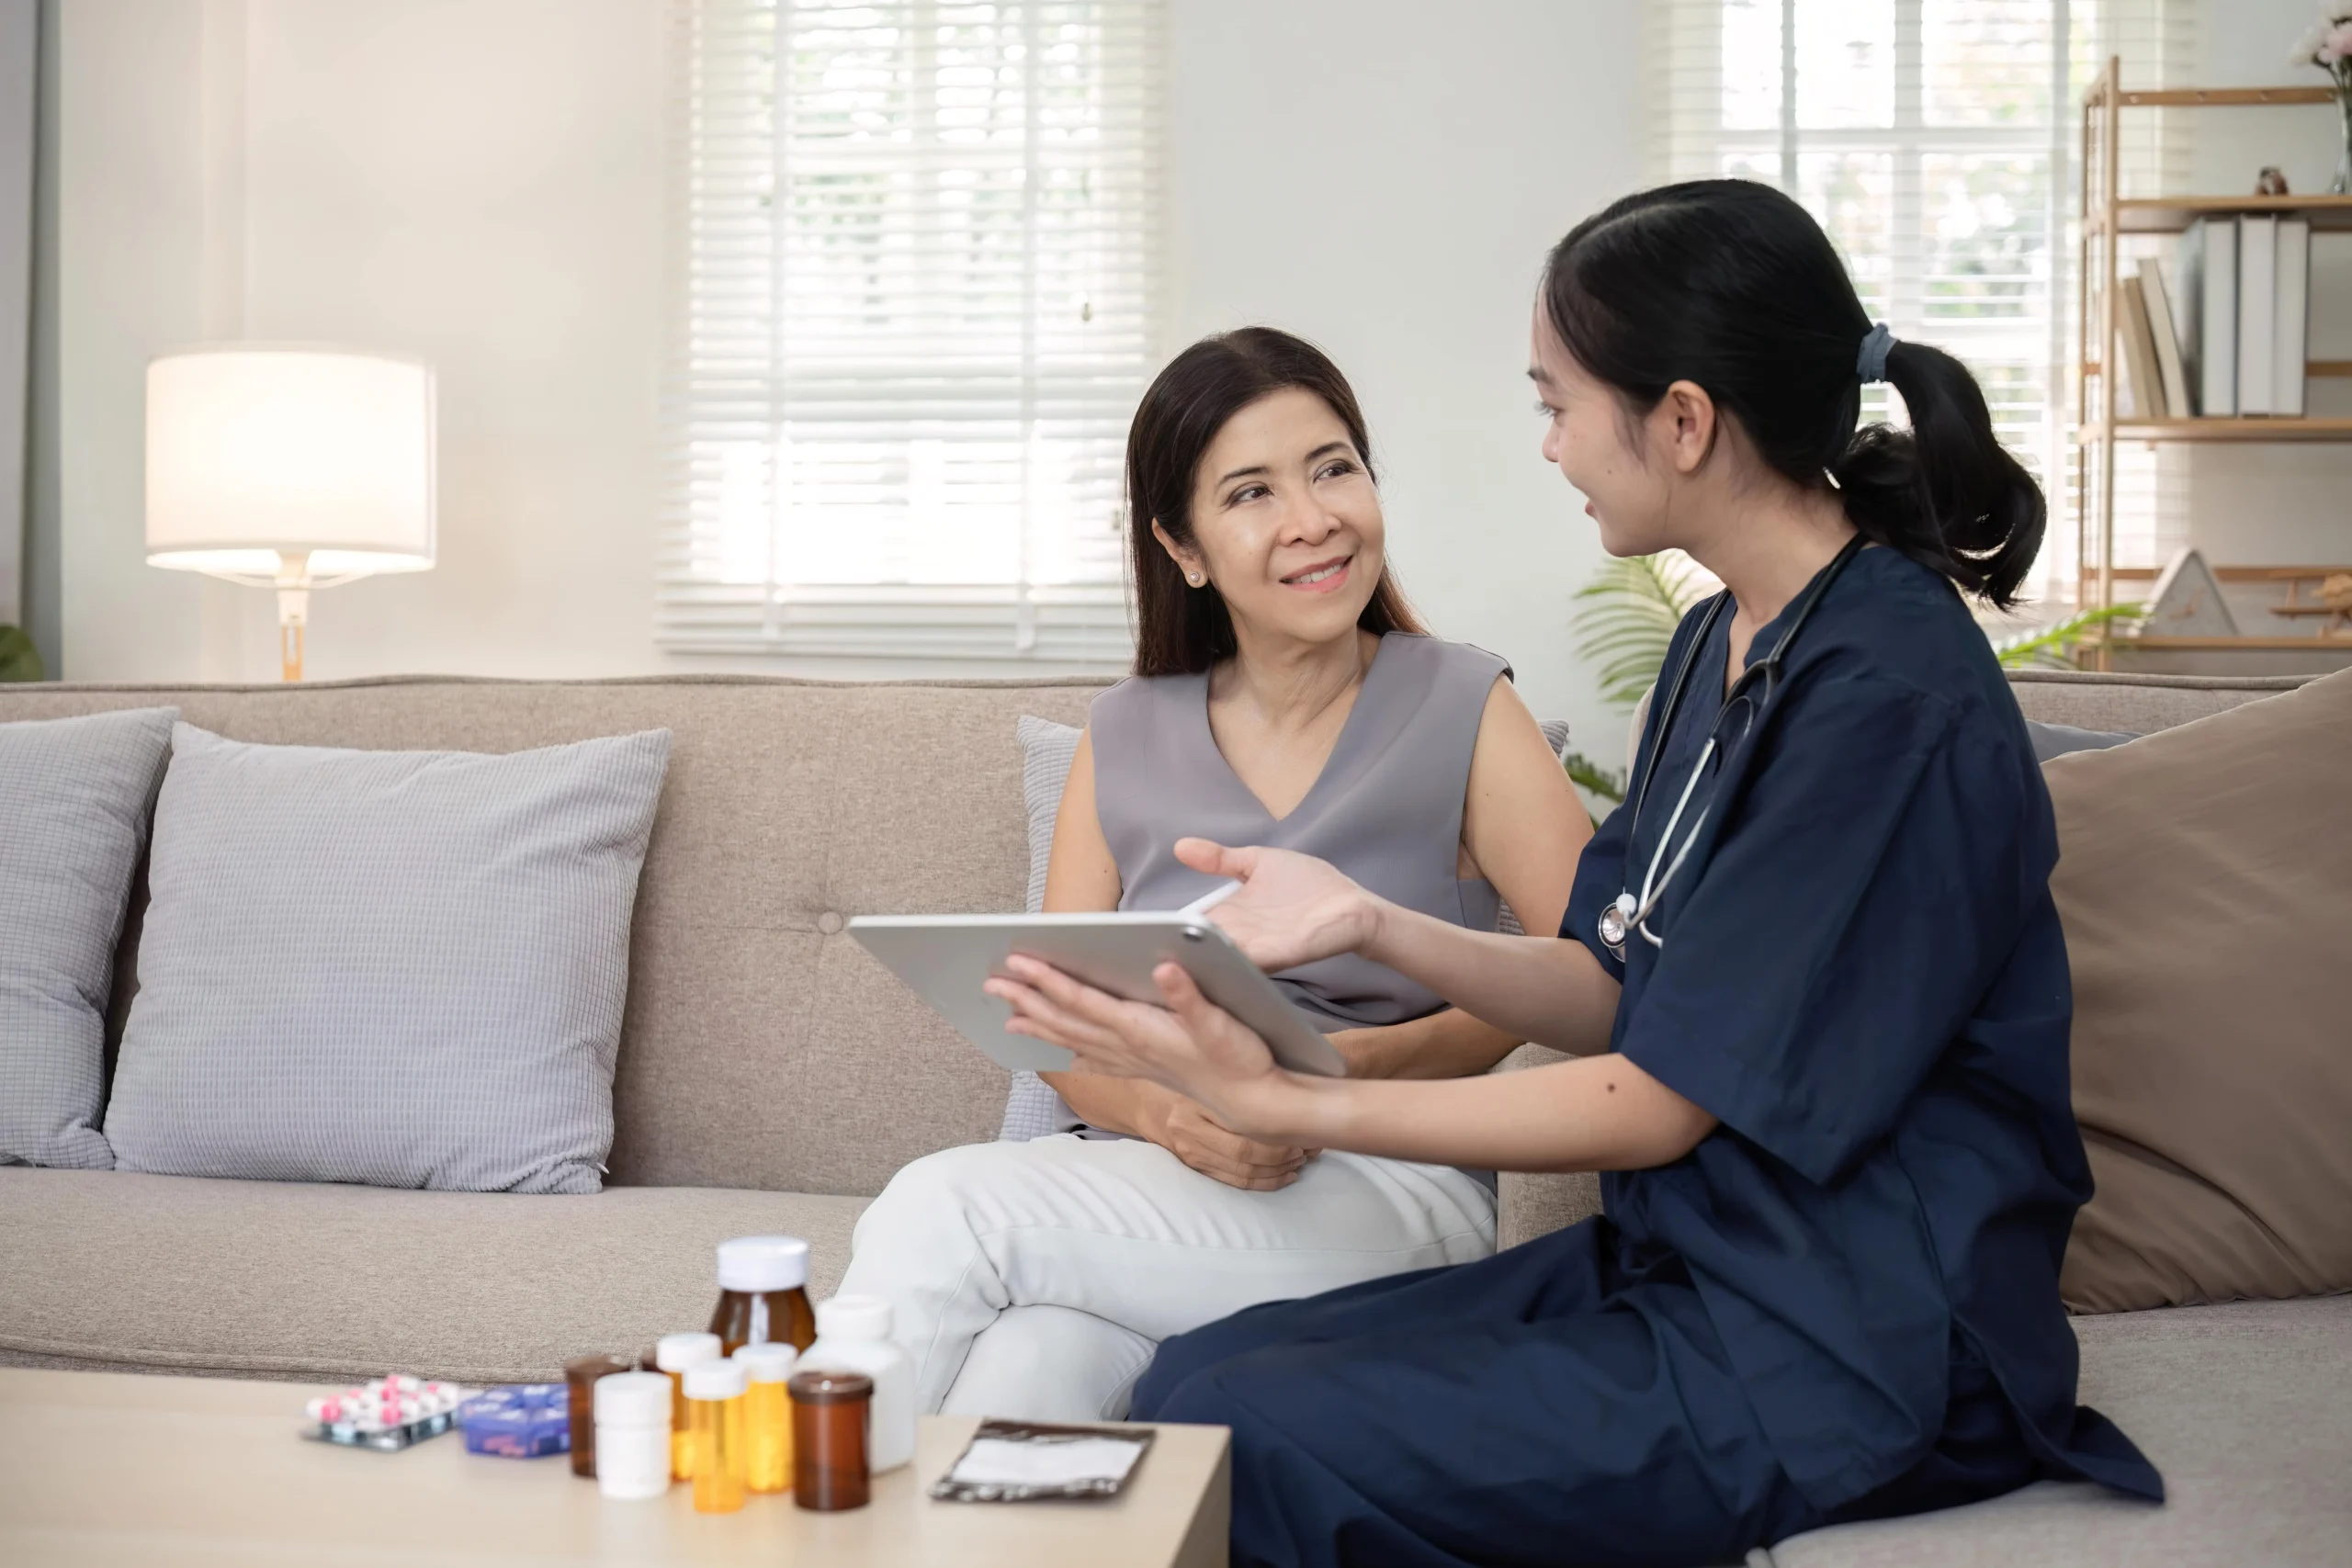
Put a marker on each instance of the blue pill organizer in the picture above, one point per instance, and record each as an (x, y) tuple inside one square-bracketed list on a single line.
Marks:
[(518, 1421)]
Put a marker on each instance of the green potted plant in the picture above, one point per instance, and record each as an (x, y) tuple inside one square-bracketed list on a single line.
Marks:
[(19, 660)]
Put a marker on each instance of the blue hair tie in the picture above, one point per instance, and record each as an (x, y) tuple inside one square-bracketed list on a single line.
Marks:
[(1870, 363)]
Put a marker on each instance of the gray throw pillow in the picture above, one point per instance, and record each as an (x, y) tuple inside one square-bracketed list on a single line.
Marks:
[(2057, 740), (74, 798), (397, 968), (1032, 1109)]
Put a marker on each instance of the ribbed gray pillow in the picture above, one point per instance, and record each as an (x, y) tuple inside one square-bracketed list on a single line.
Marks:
[(74, 798), (398, 969)]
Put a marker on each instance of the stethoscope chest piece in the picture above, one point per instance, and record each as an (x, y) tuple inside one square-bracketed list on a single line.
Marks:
[(1616, 922)]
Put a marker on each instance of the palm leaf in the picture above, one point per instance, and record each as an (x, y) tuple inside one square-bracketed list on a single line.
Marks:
[(19, 660), (1594, 779), (2052, 643), (1627, 616)]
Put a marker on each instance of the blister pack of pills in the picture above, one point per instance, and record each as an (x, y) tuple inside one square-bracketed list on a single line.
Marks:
[(518, 1420), (387, 1415)]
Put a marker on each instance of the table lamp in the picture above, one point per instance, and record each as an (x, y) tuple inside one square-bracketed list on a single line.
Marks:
[(289, 468)]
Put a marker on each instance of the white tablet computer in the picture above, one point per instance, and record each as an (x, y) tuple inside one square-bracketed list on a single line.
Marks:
[(945, 958)]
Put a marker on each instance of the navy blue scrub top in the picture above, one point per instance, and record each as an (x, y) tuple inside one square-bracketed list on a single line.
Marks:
[(1863, 979)]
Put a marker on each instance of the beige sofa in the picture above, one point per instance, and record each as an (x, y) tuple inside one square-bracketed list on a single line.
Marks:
[(772, 1077)]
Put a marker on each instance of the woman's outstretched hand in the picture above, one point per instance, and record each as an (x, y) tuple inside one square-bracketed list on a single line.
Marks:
[(1292, 908), (1191, 1046)]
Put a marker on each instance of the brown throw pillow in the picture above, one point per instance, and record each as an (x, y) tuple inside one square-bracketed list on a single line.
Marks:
[(2205, 880)]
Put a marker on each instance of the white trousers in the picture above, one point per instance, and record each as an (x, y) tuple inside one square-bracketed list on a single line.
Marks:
[(1033, 1280)]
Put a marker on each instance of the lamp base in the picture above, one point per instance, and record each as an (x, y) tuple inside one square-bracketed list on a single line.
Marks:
[(293, 612)]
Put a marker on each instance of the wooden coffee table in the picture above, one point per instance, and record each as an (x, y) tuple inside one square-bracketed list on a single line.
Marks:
[(109, 1468)]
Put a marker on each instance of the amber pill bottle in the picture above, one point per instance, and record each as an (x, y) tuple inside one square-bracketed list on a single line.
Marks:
[(581, 1375), (767, 1416), (762, 1293), (715, 1393), (674, 1354), (829, 1415)]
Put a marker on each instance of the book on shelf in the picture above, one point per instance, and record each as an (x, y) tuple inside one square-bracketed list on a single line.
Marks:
[(2327, 301), (2141, 374), (2157, 299), (2290, 315), (2258, 312), (2208, 272)]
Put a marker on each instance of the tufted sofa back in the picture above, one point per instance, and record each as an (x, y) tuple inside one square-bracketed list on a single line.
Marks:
[(762, 1047)]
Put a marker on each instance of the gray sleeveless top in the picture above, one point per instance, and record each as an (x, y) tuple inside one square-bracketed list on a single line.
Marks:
[(1387, 808)]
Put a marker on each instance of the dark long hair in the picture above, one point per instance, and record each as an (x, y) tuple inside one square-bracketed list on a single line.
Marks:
[(1732, 285), (1180, 629)]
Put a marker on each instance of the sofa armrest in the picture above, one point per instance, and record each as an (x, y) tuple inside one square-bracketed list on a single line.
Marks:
[(1530, 1206)]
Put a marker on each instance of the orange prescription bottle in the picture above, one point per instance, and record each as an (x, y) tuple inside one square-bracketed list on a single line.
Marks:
[(762, 1293), (767, 1416), (676, 1354), (715, 1419)]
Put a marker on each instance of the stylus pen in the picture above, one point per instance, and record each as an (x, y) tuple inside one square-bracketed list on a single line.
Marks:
[(1211, 900)]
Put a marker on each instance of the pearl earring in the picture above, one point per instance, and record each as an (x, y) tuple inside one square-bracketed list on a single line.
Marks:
[(1193, 578)]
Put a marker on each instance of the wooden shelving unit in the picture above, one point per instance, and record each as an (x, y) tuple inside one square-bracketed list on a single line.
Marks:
[(2107, 217)]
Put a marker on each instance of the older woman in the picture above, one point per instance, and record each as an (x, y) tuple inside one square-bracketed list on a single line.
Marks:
[(1284, 696)]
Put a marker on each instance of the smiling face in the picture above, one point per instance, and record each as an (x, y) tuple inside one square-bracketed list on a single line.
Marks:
[(1285, 523), (1627, 466)]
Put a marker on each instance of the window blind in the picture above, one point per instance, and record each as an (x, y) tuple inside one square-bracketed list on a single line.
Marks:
[(913, 246), (1936, 141)]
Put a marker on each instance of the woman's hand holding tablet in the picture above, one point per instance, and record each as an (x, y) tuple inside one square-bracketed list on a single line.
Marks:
[(949, 960), (1283, 909)]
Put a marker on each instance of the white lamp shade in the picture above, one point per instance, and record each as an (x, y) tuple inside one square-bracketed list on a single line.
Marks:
[(254, 452)]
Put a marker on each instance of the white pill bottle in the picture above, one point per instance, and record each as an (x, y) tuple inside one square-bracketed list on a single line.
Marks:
[(633, 1436), (854, 1336)]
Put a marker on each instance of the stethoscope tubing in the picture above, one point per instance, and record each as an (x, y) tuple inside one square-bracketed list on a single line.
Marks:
[(1633, 914)]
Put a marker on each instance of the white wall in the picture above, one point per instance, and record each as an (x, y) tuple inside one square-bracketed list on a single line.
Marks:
[(130, 247), (1388, 188), (476, 181), (479, 182)]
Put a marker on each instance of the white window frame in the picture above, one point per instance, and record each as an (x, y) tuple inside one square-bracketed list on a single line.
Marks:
[(739, 388), (1685, 47)]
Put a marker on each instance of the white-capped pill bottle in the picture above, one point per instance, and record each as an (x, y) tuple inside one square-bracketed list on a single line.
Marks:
[(854, 1336), (673, 1353), (767, 1416), (633, 1436), (715, 1400)]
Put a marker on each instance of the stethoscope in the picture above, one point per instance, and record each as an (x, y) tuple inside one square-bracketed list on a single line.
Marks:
[(1631, 914)]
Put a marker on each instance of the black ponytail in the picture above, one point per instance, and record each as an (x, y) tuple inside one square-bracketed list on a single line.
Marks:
[(1731, 284)]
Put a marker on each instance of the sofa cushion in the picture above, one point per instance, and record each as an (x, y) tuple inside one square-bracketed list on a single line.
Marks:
[(2203, 886), (403, 968), (75, 795), (268, 1279), (2246, 1408)]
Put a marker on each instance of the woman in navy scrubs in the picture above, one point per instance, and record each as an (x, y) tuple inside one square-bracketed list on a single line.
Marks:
[(1812, 973)]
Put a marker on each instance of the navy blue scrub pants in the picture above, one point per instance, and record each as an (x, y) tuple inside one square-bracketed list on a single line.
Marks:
[(1536, 1408)]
